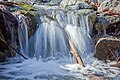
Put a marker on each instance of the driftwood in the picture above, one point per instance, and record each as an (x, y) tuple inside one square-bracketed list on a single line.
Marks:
[(75, 53), (71, 45)]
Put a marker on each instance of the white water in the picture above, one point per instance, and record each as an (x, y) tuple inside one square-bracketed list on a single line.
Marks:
[(32, 69), (23, 35), (50, 39)]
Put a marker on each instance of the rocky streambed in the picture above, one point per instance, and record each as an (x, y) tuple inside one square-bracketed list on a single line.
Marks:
[(103, 33)]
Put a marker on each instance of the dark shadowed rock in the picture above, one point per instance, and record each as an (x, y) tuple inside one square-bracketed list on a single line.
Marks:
[(3, 43), (107, 47), (2, 56)]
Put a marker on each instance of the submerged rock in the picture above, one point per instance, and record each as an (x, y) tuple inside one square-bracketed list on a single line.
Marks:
[(107, 48)]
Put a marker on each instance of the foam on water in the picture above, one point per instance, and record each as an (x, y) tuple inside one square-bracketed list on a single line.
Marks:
[(31, 68)]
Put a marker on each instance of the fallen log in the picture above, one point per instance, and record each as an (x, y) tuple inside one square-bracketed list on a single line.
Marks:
[(75, 53), (72, 47)]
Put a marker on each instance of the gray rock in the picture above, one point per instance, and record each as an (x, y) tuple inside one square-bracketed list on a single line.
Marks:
[(74, 4), (54, 2), (110, 4), (101, 25), (80, 5)]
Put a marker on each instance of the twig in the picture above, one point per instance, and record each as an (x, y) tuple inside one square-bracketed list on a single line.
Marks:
[(79, 59), (18, 52)]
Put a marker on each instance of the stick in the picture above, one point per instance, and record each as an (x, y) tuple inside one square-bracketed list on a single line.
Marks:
[(72, 47), (79, 59), (18, 52)]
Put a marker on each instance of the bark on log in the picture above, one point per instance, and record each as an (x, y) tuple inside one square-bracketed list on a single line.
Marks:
[(75, 53)]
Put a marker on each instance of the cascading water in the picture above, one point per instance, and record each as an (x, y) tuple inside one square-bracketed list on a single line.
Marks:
[(79, 32), (50, 39), (23, 35), (50, 44)]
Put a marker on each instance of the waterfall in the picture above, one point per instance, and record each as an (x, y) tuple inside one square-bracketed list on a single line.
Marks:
[(77, 28), (78, 31), (23, 35), (50, 41)]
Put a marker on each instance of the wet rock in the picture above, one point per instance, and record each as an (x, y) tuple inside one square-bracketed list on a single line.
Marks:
[(3, 43), (110, 4), (54, 2), (107, 25), (8, 30), (107, 47), (75, 4), (112, 19), (2, 56), (114, 29), (101, 25)]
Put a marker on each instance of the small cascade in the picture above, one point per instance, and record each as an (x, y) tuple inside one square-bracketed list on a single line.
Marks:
[(78, 31), (23, 35), (50, 41)]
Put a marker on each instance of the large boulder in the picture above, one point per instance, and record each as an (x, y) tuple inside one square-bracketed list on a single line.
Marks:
[(107, 47)]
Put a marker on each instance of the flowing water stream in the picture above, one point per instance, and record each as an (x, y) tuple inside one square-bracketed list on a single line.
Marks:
[(48, 52)]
